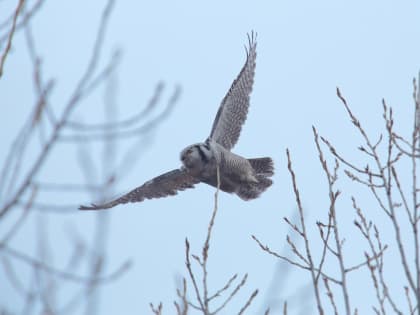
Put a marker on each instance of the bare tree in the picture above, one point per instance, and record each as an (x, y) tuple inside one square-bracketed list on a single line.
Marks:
[(204, 301), (382, 177), (47, 128)]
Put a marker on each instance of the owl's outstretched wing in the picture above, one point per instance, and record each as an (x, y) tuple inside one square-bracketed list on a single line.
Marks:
[(232, 112), (167, 184)]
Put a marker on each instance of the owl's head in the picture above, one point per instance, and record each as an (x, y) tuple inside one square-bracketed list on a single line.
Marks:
[(195, 156)]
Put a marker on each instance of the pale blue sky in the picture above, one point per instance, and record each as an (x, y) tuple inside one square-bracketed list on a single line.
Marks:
[(370, 49)]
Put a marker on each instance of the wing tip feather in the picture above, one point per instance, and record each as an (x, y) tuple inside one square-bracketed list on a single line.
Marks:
[(91, 207), (252, 42)]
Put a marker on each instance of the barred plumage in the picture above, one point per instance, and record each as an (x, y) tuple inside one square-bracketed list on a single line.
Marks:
[(247, 178)]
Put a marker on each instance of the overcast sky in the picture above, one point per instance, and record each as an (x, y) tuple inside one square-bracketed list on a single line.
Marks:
[(370, 49)]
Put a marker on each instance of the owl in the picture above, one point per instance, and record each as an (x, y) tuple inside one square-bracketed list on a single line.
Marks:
[(213, 159)]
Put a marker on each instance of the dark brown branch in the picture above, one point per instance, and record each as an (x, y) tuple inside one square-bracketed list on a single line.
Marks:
[(23, 21), (10, 36)]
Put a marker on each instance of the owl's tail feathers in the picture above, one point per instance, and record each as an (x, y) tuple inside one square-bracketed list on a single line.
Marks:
[(262, 166), (248, 191), (263, 169)]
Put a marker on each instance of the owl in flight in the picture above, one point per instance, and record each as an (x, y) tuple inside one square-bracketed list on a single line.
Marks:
[(247, 178)]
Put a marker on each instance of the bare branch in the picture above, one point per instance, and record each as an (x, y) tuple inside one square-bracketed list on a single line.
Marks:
[(39, 161), (232, 294), (330, 296), (6, 239), (10, 37), (135, 132), (248, 303), (333, 195), (62, 274), (134, 119), (23, 21), (156, 310), (190, 272), (224, 288), (268, 250)]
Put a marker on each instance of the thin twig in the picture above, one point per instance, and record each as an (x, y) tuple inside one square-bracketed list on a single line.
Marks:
[(188, 264), (123, 123), (69, 107), (303, 227), (6, 239), (248, 303), (330, 296), (62, 274), (206, 246), (386, 179), (134, 132), (10, 37), (231, 295), (365, 263), (333, 195), (23, 21), (288, 260), (224, 288), (415, 147)]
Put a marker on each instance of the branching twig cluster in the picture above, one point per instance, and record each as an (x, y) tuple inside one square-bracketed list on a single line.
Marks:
[(23, 189), (383, 180), (381, 177), (204, 301)]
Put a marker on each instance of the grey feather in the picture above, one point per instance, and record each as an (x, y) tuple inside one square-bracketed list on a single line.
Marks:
[(234, 107), (167, 184), (247, 178)]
